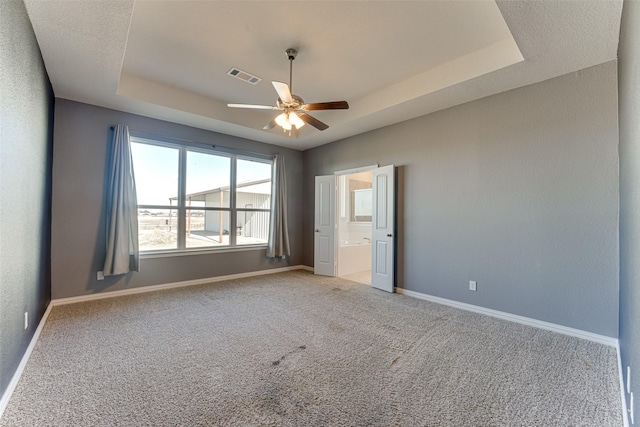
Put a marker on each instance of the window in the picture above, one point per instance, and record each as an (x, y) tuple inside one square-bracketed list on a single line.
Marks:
[(191, 198)]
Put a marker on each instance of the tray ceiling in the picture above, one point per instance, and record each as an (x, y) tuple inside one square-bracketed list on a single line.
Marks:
[(391, 60)]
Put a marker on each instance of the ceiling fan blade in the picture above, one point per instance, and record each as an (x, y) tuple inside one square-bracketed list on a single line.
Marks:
[(283, 92), (312, 121), (270, 125), (335, 105), (257, 107)]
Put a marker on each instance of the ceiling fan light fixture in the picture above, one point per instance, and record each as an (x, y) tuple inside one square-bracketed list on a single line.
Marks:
[(288, 120), (283, 121), (295, 120)]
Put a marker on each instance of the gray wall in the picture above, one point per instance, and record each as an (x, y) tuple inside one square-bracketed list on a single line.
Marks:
[(26, 123), (518, 191), (629, 95), (78, 243)]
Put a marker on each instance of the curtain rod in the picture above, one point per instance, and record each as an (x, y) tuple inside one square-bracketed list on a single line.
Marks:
[(230, 150)]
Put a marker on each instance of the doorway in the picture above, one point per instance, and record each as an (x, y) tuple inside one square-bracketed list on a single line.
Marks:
[(377, 205), (355, 208)]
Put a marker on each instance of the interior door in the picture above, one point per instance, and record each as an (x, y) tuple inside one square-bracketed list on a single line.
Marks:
[(383, 222), (324, 262)]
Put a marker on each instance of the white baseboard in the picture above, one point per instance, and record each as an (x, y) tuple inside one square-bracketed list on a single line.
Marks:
[(23, 363), (625, 413), (565, 330), (152, 288)]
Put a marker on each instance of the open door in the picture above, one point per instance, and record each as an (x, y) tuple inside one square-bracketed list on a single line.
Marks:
[(383, 221), (324, 262)]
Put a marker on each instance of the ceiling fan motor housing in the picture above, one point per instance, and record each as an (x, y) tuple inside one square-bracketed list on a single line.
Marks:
[(291, 54), (296, 104)]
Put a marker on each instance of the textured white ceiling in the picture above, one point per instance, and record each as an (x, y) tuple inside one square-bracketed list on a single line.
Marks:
[(211, 37), (391, 60)]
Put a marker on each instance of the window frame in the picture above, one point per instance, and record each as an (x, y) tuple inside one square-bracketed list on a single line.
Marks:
[(182, 208)]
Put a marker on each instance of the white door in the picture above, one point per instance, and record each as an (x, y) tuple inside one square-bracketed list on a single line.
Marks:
[(382, 221), (324, 262)]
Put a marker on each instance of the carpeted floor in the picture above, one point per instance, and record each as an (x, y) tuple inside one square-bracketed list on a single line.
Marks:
[(295, 349)]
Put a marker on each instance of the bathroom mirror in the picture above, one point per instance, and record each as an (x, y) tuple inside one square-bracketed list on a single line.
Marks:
[(362, 205), (357, 203)]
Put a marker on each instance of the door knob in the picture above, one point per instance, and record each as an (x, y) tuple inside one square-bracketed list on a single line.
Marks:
[(389, 235), (317, 230)]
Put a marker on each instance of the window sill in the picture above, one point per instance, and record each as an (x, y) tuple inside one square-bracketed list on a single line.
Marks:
[(167, 254)]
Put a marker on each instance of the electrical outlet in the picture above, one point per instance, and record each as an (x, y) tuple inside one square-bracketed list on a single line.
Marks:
[(26, 319), (100, 275), (472, 285), (628, 379)]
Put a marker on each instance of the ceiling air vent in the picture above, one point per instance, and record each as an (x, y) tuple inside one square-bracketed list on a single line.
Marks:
[(244, 76)]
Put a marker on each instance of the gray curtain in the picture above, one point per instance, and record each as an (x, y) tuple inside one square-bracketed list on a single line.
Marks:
[(278, 245), (123, 255)]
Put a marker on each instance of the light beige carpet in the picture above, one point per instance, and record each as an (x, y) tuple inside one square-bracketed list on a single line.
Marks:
[(295, 349)]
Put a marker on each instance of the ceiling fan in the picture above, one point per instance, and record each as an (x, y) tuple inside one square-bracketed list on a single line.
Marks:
[(294, 109)]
